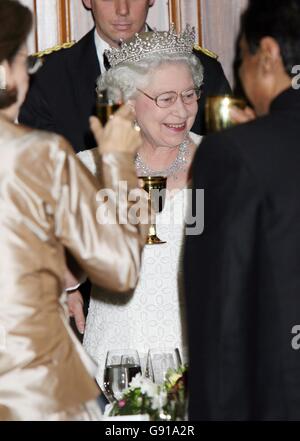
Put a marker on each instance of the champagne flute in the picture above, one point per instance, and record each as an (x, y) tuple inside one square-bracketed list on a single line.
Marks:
[(108, 102), (155, 186), (217, 112)]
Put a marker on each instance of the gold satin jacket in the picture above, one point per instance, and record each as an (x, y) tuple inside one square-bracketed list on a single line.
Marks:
[(48, 203)]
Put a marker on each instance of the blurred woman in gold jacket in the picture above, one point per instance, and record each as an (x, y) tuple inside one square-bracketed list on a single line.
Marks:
[(48, 205)]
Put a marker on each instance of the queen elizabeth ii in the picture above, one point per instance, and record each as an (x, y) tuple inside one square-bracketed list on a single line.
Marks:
[(161, 79)]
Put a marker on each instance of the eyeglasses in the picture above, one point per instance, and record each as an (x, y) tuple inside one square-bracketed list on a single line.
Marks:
[(167, 99)]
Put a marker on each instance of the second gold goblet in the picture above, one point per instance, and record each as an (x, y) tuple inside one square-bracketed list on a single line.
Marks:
[(217, 112), (155, 186)]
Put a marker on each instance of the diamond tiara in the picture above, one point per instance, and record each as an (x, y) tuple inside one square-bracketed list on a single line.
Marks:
[(147, 43)]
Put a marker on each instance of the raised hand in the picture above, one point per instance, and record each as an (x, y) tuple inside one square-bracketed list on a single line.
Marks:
[(242, 115)]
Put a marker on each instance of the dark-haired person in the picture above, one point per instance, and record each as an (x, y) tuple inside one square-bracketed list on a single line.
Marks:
[(48, 204), (242, 274)]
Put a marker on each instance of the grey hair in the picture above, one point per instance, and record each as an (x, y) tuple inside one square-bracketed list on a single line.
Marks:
[(128, 77)]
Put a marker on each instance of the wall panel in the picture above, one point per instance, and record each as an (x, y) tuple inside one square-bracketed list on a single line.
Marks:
[(220, 23)]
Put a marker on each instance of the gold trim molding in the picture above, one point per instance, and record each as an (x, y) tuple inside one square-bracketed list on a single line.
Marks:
[(175, 16), (36, 40), (199, 16), (64, 21)]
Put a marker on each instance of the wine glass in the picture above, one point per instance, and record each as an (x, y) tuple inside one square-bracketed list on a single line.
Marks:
[(121, 366), (159, 360), (131, 362), (155, 186), (217, 111), (108, 102)]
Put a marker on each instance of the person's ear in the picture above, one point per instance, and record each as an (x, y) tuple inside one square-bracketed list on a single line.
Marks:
[(87, 4), (131, 104), (270, 54)]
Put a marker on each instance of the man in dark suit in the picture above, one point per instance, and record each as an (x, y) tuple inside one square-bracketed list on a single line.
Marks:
[(62, 95), (242, 274)]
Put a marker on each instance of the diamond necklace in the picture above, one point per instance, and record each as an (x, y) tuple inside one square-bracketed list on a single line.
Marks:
[(177, 165)]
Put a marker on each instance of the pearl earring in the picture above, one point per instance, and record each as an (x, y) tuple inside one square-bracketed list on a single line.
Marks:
[(136, 126), (2, 78)]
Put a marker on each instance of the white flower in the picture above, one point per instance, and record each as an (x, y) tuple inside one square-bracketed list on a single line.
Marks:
[(136, 382), (145, 384), (149, 388), (159, 400), (155, 392)]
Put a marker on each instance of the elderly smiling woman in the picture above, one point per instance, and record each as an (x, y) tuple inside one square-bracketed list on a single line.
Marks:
[(161, 79)]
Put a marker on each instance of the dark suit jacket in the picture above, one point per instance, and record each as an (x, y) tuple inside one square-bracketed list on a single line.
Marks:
[(242, 274), (62, 94)]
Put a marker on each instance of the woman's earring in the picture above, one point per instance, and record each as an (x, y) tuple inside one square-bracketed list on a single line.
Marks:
[(2, 78), (136, 126)]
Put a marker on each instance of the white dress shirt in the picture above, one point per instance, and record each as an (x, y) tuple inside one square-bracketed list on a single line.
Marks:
[(101, 45)]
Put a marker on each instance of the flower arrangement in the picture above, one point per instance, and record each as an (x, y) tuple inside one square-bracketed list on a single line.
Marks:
[(161, 402)]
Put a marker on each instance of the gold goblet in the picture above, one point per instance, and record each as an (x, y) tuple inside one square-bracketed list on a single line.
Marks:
[(217, 112), (108, 102), (155, 186)]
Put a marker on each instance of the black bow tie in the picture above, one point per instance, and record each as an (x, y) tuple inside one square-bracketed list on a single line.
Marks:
[(106, 62)]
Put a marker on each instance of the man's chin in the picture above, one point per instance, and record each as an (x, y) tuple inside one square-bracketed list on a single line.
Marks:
[(123, 31)]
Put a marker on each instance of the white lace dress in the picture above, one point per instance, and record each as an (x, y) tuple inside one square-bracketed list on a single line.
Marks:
[(153, 316)]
